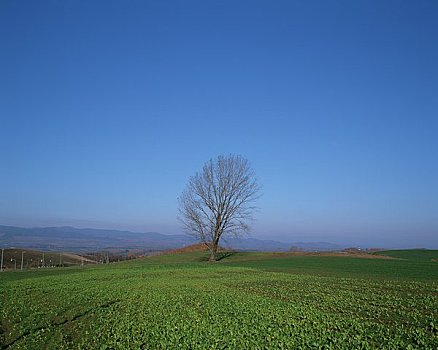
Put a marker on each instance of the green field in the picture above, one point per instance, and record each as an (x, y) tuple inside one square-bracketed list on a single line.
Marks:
[(246, 300), (412, 254)]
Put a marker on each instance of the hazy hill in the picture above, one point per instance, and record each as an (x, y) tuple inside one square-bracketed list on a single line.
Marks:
[(272, 246), (67, 238), (74, 239)]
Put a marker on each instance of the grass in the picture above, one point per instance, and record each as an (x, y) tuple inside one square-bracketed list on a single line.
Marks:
[(412, 254), (321, 265), (247, 300), (333, 266)]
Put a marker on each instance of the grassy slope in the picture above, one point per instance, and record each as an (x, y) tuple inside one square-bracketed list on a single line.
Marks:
[(412, 254), (241, 302), (348, 267), (335, 266)]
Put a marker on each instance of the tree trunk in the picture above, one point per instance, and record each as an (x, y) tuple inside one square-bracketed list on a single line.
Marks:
[(213, 251)]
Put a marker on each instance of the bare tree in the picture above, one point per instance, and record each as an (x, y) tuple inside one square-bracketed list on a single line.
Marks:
[(219, 201)]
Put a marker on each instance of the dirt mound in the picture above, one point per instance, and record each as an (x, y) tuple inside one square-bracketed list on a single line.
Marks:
[(198, 247)]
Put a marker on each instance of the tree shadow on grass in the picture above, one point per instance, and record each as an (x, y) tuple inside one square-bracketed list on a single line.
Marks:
[(219, 256), (224, 255)]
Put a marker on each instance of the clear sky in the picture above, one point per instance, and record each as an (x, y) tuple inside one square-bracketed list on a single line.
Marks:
[(107, 107)]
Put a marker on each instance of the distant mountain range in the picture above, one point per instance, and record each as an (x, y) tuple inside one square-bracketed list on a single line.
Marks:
[(73, 239)]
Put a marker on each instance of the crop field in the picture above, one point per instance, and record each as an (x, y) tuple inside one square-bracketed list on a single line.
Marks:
[(244, 301), (412, 254)]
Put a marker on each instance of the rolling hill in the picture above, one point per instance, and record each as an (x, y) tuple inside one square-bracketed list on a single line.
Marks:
[(73, 239)]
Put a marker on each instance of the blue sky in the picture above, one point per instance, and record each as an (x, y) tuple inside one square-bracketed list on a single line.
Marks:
[(107, 108)]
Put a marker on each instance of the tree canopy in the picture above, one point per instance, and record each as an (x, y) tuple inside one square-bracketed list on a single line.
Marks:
[(219, 200)]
